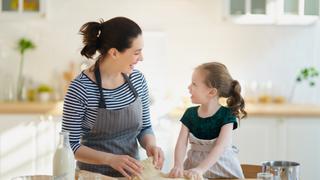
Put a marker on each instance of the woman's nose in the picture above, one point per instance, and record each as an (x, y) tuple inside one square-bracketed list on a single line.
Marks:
[(141, 57)]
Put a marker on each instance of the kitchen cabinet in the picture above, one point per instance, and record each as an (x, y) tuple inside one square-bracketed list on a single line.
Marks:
[(279, 12), (27, 144), (273, 138), (22, 9)]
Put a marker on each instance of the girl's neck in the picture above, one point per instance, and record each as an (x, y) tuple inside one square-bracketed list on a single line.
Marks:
[(208, 109)]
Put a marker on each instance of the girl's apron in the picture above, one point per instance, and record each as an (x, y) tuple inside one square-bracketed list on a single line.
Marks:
[(114, 131), (227, 166)]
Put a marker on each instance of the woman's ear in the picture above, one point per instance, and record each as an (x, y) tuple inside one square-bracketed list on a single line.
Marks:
[(113, 53)]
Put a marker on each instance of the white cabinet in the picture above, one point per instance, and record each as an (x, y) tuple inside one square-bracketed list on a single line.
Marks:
[(303, 145), (27, 144), (280, 12), (293, 139), (250, 11)]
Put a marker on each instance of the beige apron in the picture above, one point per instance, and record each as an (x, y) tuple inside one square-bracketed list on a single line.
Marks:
[(227, 166)]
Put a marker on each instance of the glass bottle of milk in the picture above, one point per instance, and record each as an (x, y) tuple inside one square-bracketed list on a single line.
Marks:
[(63, 159)]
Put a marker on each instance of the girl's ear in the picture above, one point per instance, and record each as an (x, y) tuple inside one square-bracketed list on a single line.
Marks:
[(113, 53), (213, 92)]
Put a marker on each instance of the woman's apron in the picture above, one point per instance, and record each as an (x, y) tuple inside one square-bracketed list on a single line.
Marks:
[(227, 166), (114, 131)]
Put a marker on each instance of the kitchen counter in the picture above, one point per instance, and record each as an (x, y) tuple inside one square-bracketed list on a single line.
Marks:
[(253, 109), (50, 108), (285, 109), (103, 177), (270, 110)]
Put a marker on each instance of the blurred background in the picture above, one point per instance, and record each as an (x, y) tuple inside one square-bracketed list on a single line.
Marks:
[(272, 47)]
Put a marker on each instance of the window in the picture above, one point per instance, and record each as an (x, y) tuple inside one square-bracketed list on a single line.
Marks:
[(27, 8)]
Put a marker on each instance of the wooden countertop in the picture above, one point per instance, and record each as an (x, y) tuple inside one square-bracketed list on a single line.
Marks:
[(253, 109), (103, 177), (287, 110), (50, 108)]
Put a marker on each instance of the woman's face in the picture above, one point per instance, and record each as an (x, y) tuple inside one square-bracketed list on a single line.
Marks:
[(200, 92), (130, 57)]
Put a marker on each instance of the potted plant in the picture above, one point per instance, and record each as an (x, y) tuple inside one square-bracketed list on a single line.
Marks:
[(44, 92), (308, 74), (23, 46)]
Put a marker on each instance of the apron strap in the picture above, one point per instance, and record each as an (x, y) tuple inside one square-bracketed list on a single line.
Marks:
[(130, 85), (102, 103)]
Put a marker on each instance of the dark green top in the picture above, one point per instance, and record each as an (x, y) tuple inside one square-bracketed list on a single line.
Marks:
[(209, 127)]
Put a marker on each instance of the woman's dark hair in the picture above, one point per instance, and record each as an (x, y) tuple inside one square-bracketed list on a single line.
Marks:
[(101, 36), (218, 76)]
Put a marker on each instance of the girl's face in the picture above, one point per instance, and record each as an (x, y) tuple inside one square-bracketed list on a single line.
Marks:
[(130, 57), (200, 92)]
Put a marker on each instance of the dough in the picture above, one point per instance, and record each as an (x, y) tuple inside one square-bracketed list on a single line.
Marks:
[(151, 173)]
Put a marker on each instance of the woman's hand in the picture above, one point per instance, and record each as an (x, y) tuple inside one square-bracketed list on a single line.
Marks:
[(126, 165), (176, 172), (195, 174), (158, 156)]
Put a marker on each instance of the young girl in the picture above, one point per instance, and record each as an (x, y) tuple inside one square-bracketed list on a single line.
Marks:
[(208, 127)]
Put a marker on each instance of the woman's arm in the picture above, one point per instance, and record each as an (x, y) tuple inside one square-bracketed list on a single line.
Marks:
[(121, 163), (88, 155), (224, 140), (148, 142)]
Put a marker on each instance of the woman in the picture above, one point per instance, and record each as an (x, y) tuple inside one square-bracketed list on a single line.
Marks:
[(106, 108)]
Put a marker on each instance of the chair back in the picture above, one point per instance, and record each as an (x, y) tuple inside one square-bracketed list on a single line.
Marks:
[(250, 170)]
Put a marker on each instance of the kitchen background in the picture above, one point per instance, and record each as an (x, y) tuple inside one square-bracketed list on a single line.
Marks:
[(179, 35)]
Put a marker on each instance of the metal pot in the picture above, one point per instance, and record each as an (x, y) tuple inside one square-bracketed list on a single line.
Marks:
[(282, 170)]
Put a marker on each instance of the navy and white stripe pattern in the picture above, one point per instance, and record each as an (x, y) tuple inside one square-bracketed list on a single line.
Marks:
[(82, 99)]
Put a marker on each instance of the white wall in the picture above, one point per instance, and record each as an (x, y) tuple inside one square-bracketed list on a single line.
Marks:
[(194, 30)]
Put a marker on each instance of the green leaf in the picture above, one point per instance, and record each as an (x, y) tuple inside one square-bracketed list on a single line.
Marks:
[(24, 45), (311, 83), (308, 74)]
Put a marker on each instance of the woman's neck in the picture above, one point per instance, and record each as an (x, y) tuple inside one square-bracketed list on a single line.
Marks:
[(111, 76), (109, 70), (209, 109)]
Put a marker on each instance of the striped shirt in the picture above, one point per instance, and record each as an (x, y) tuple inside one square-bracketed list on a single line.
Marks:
[(82, 99)]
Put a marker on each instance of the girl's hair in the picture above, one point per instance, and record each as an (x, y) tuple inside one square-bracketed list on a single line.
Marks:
[(217, 76), (118, 32)]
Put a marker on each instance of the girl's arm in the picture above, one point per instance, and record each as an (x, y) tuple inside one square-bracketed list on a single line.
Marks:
[(224, 140), (181, 146), (180, 152)]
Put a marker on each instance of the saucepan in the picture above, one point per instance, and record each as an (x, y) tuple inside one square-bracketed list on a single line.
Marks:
[(282, 170)]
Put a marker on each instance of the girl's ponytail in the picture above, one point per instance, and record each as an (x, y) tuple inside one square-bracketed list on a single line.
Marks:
[(235, 101)]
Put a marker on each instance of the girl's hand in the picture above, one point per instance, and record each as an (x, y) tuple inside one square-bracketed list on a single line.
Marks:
[(126, 165), (176, 172), (158, 156), (195, 174)]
